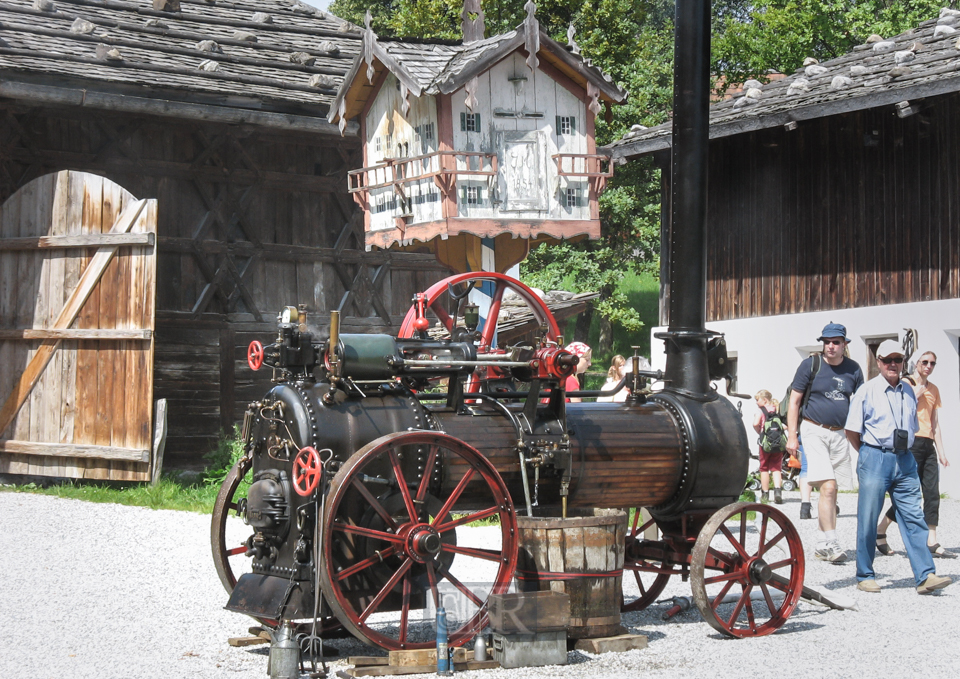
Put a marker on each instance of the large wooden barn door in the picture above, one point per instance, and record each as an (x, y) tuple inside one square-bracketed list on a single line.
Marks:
[(77, 289)]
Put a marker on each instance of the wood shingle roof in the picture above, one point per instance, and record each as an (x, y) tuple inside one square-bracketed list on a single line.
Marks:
[(266, 56), (919, 63)]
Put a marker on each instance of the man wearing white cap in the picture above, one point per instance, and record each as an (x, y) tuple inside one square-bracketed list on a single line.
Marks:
[(882, 423)]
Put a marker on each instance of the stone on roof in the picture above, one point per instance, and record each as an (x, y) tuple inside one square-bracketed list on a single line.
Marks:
[(161, 51), (921, 62)]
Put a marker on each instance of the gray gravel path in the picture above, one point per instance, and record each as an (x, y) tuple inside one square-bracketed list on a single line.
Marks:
[(100, 591)]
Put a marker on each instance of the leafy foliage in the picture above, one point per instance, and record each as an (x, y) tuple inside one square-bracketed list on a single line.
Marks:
[(779, 34)]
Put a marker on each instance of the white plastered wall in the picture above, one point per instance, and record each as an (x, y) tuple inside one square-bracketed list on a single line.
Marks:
[(769, 350)]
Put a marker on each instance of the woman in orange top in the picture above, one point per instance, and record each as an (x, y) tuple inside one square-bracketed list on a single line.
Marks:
[(926, 454)]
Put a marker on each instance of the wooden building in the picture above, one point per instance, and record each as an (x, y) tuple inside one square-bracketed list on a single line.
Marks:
[(834, 194), (484, 138), (217, 112)]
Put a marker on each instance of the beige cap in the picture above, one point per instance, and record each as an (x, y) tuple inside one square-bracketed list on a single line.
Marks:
[(889, 348)]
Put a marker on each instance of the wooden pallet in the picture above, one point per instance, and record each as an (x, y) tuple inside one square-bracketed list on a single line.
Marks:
[(412, 662)]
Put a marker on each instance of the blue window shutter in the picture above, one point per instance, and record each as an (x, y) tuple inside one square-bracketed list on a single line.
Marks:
[(559, 127), (573, 124), (463, 122), (476, 121)]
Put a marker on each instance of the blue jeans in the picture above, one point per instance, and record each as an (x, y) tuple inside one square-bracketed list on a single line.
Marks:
[(896, 473)]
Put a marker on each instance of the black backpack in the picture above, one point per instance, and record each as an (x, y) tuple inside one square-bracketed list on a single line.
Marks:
[(773, 435)]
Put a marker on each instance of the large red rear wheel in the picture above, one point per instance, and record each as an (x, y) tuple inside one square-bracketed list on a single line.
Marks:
[(747, 571), (391, 550)]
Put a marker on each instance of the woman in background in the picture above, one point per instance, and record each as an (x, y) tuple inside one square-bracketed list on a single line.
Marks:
[(615, 373), (927, 448)]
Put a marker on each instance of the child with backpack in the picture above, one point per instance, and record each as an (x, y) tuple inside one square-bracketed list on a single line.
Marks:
[(773, 443)]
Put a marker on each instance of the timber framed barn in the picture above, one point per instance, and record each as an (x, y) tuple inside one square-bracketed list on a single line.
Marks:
[(217, 112), (834, 195)]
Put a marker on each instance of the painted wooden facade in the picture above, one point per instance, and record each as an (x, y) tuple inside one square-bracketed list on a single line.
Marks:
[(484, 138)]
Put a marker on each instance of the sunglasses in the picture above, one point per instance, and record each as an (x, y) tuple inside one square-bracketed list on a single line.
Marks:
[(930, 363), (836, 342), (893, 359)]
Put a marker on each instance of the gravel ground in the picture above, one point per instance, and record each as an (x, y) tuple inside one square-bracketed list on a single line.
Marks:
[(91, 590)]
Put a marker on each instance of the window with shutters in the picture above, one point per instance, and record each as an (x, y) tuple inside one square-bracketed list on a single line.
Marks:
[(566, 124), (469, 122), (472, 195)]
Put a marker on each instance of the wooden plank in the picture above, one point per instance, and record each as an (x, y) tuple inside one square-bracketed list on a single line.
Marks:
[(617, 644), (88, 281), (62, 242), (391, 671), (425, 656), (367, 660), (75, 450), (246, 641), (74, 334), (159, 441)]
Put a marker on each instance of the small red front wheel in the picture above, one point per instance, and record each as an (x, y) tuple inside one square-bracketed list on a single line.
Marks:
[(255, 355), (306, 471)]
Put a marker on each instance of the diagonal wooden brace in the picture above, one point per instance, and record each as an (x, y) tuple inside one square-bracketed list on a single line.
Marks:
[(88, 281)]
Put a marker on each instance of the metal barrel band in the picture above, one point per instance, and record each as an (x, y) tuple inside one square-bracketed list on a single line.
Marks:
[(543, 575)]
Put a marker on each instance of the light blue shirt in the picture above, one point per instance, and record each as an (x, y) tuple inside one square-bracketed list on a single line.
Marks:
[(877, 409)]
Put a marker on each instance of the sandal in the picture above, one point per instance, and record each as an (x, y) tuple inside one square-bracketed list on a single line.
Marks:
[(882, 545), (939, 552)]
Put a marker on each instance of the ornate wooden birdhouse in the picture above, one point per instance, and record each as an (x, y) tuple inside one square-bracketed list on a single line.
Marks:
[(488, 138)]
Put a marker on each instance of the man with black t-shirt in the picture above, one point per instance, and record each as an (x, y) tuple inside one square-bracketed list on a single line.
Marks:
[(828, 452)]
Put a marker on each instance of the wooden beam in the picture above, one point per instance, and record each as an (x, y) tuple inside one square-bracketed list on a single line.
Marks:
[(78, 241), (159, 440), (88, 281), (90, 162), (73, 334), (49, 94), (74, 450)]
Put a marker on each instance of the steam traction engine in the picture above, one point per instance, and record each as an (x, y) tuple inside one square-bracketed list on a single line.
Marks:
[(371, 451)]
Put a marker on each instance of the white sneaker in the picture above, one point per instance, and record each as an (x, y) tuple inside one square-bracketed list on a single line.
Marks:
[(831, 552)]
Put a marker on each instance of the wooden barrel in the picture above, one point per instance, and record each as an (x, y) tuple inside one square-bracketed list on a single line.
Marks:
[(581, 555)]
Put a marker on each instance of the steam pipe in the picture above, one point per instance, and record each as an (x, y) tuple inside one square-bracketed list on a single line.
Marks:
[(686, 338)]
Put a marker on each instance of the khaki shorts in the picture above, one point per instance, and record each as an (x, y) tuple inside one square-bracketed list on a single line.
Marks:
[(829, 455)]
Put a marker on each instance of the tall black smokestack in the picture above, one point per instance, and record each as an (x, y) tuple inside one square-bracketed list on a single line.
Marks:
[(686, 338)]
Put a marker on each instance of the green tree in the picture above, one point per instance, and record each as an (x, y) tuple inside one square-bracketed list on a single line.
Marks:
[(779, 34)]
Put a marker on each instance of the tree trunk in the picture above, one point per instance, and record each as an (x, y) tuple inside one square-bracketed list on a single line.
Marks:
[(582, 331), (605, 341)]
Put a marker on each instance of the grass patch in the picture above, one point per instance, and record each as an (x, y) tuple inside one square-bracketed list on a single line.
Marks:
[(171, 492), (489, 521)]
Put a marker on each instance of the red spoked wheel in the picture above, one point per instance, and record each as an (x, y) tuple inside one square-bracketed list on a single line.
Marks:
[(434, 302), (650, 575), (228, 499), (255, 355), (747, 573), (391, 546), (307, 470)]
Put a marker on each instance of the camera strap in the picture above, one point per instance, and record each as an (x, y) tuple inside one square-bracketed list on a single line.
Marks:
[(890, 405)]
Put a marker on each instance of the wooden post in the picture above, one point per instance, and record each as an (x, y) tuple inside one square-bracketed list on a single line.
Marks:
[(159, 440)]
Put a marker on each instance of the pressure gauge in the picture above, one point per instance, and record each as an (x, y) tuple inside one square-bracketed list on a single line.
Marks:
[(289, 315)]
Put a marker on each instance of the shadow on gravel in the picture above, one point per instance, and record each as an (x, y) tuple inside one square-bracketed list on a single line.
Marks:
[(790, 627)]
